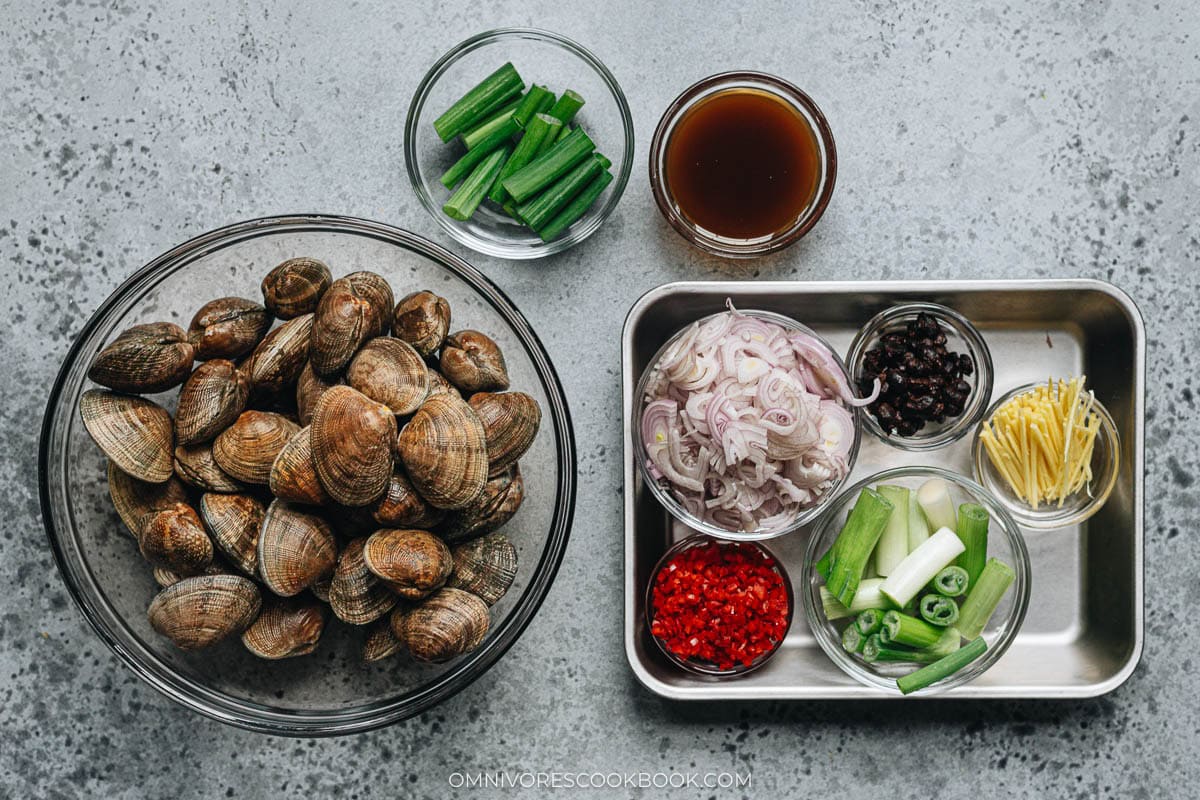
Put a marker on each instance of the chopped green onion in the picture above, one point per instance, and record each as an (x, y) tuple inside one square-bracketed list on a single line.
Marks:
[(856, 542), (893, 542), (535, 133), (853, 640), (942, 668), (938, 610), (567, 106), (934, 499), (542, 208), (951, 582), (576, 208), (487, 96), (535, 101), (918, 526), (866, 597), (869, 621), (876, 649), (550, 166), (556, 132), (494, 140), (462, 204), (973, 530), (903, 629), (920, 567), (985, 595), (484, 129)]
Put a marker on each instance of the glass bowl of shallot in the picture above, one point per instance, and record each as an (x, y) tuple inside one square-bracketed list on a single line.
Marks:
[(747, 425)]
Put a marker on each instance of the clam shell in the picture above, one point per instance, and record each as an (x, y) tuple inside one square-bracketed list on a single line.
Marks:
[(247, 448), (195, 466), (293, 476), (285, 629), (175, 538), (233, 521), (444, 452), (228, 327), (500, 500), (444, 625), (294, 287), (352, 438), (391, 372), (309, 388), (295, 549), (134, 500), (380, 643), (197, 612), (276, 363), (356, 595), (485, 567), (439, 385), (135, 433), (510, 424), (422, 319), (412, 562), (145, 359), (375, 289), (167, 577), (474, 363), (210, 400), (353, 310), (401, 506)]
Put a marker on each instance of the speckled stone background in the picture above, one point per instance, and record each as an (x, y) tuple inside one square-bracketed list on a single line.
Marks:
[(976, 140)]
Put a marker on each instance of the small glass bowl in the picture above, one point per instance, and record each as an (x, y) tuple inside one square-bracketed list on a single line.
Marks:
[(698, 93), (1005, 542), (667, 498), (1106, 460), (539, 56), (706, 668), (961, 337)]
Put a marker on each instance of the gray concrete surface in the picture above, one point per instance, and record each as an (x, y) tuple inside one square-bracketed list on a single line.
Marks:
[(976, 140)]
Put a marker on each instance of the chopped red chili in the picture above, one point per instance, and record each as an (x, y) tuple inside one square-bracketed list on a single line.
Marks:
[(721, 603)]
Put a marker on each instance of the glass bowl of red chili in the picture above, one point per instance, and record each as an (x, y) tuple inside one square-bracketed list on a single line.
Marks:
[(718, 608)]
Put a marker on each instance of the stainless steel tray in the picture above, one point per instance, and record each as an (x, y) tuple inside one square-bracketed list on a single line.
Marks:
[(1083, 633)]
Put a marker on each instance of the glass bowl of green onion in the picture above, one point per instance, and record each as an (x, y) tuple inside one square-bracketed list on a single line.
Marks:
[(918, 580), (519, 143)]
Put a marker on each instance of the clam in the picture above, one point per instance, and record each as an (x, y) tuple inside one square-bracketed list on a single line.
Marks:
[(295, 549), (293, 476), (391, 372), (285, 629), (174, 538), (166, 577), (474, 363), (277, 361), (444, 625), (501, 498), (134, 500), (380, 643), (352, 438), (401, 506), (309, 388), (247, 448), (295, 286), (233, 521), (444, 451), (145, 359), (210, 400), (485, 567), (200, 611), (510, 423), (135, 433), (228, 327), (357, 595), (439, 385), (353, 310), (195, 466), (412, 562), (422, 319)]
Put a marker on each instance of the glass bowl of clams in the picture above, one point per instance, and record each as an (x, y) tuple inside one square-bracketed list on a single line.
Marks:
[(307, 475)]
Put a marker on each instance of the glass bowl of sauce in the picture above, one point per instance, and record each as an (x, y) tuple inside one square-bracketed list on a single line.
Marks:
[(742, 164)]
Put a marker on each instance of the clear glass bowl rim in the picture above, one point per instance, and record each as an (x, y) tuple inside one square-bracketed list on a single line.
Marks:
[(575, 234), (664, 496), (781, 88), (1052, 517), (980, 353), (821, 627), (254, 716)]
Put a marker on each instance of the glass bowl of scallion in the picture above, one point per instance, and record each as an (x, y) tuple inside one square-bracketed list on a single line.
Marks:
[(519, 143), (917, 580)]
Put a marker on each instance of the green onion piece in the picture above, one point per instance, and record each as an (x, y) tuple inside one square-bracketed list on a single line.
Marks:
[(866, 597), (542, 207), (462, 203), (566, 106), (876, 649), (942, 668), (938, 610), (893, 542), (576, 208), (535, 101), (566, 129), (550, 166), (464, 165), (920, 566), (869, 621), (853, 640), (973, 530), (487, 96), (951, 582), (856, 542), (985, 595), (484, 129), (535, 133), (556, 132), (907, 630), (934, 499), (918, 526)]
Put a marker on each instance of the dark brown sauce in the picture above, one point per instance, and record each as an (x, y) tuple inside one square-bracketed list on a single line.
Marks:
[(742, 164)]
